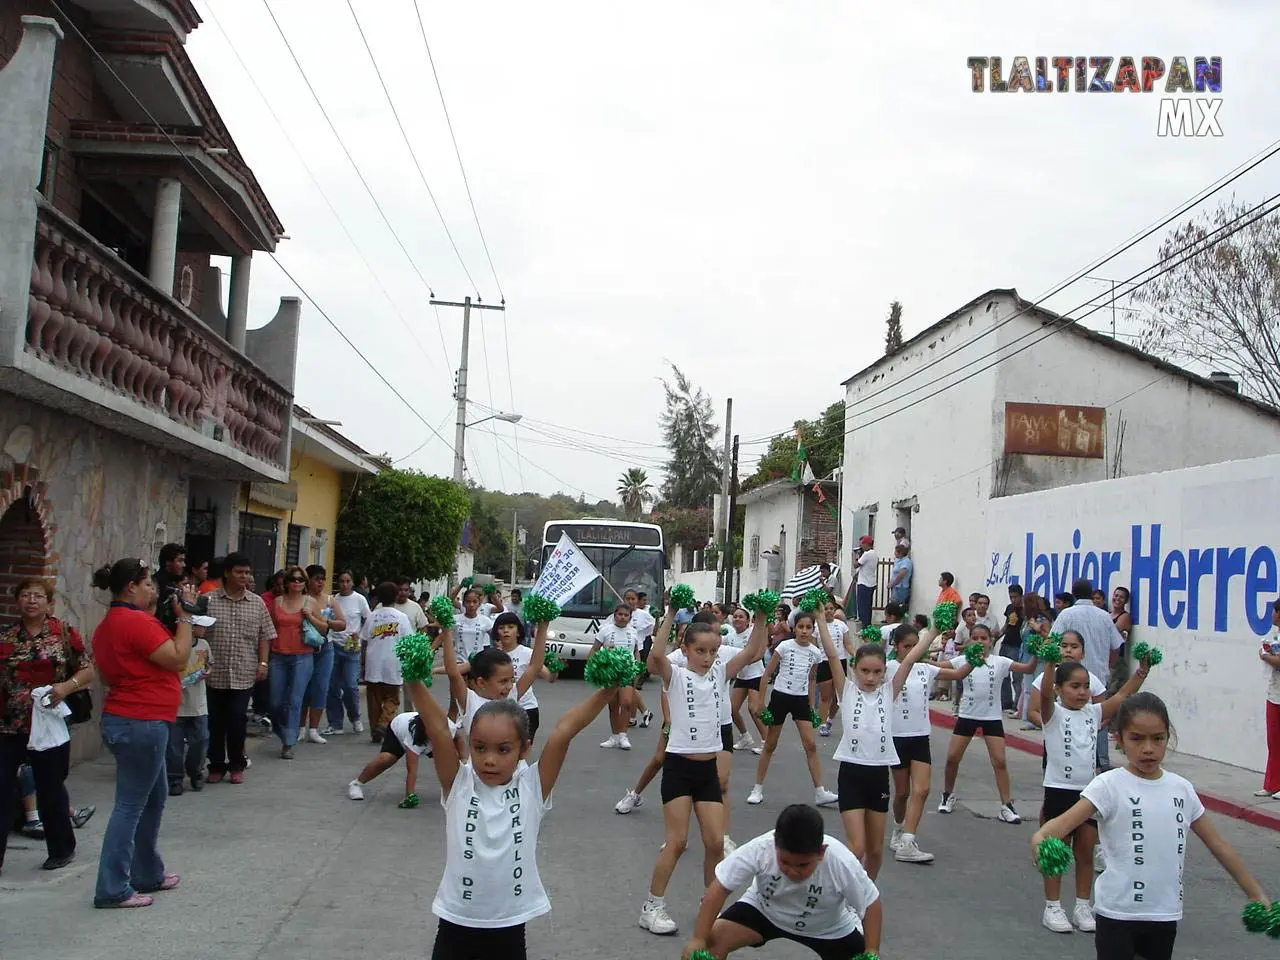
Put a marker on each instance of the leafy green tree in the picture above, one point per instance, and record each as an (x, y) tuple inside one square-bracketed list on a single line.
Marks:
[(490, 538), (402, 523), (823, 441), (893, 332), (634, 492), (689, 430), (681, 525)]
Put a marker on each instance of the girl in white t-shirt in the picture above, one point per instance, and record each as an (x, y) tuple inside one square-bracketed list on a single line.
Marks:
[(980, 710), (494, 803), (866, 749), (643, 624), (1138, 900), (911, 726), (746, 685), (1072, 646), (471, 631), (1071, 730), (618, 632), (791, 670), (696, 694), (505, 636)]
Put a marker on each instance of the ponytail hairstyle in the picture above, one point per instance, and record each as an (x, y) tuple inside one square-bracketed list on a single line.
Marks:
[(1063, 672), (117, 577)]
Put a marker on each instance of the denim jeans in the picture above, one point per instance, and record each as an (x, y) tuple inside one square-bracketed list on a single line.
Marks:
[(130, 861), (321, 669), (188, 744), (290, 676), (863, 597), (344, 687)]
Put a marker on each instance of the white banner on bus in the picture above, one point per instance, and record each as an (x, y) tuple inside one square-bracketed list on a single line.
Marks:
[(567, 571)]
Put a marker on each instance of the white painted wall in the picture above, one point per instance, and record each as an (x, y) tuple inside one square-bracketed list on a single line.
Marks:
[(766, 518), (1216, 516)]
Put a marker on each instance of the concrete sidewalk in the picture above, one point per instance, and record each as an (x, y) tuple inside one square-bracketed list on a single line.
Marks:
[(1224, 789)]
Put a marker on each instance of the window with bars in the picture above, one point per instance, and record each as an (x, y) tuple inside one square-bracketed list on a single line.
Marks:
[(755, 552), (293, 546)]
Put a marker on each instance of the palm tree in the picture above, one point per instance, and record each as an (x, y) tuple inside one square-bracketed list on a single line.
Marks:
[(634, 492)]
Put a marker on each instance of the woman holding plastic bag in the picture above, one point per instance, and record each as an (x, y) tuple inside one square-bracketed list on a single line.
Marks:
[(42, 660)]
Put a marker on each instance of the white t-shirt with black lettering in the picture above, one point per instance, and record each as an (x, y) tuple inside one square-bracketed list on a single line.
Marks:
[(739, 641), (980, 699), (867, 737), (1070, 746), (911, 708), (491, 868), (470, 636), (723, 655), (795, 660), (827, 905), (696, 704), (521, 657), (1096, 687), (612, 635), (1144, 826)]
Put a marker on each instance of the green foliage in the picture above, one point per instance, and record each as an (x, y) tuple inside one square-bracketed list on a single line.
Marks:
[(533, 510), (688, 528), (893, 329), (490, 538), (693, 469), (634, 492), (823, 440), (401, 523)]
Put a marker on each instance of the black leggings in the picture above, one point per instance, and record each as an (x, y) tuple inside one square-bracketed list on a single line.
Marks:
[(478, 943), (1128, 939)]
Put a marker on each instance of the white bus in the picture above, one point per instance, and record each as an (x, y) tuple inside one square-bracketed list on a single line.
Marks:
[(628, 555)]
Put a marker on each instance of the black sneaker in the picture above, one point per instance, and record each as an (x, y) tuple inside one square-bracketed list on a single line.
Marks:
[(197, 784), (175, 788), (57, 863)]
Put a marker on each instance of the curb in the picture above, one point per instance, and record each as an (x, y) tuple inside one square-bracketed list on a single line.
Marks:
[(1226, 806)]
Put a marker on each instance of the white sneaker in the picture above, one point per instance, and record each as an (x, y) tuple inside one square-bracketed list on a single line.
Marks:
[(1082, 917), (824, 797), (756, 795), (744, 742), (624, 742), (947, 804), (759, 749), (729, 845), (330, 731), (1099, 860), (1008, 814), (314, 736), (628, 802), (908, 852), (358, 726), (655, 919), (611, 743), (646, 718), (1055, 919), (895, 838), (355, 791)]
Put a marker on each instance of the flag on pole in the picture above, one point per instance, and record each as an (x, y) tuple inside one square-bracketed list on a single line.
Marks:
[(566, 572), (806, 580)]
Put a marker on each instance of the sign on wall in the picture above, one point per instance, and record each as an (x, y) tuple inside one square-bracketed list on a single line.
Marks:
[(1053, 430)]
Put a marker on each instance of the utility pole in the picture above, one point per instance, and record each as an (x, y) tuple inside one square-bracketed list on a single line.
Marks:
[(722, 520), (460, 393), (727, 557)]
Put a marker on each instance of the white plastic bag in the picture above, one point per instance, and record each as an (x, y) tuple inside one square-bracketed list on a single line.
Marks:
[(48, 724)]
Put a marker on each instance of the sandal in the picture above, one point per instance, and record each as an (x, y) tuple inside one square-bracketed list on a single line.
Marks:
[(170, 882), (137, 900)]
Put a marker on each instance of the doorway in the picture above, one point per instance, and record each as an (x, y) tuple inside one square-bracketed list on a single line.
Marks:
[(259, 540)]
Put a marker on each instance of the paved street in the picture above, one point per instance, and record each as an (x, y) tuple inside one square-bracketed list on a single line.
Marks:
[(285, 866)]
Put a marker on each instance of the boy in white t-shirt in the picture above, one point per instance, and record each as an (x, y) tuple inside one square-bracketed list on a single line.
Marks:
[(805, 887), (618, 632)]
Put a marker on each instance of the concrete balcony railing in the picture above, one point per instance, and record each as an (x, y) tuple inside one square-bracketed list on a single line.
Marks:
[(91, 315)]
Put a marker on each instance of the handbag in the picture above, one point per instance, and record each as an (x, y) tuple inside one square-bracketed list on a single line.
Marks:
[(81, 706), (310, 635)]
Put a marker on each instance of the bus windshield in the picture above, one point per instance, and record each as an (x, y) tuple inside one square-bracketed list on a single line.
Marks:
[(626, 568)]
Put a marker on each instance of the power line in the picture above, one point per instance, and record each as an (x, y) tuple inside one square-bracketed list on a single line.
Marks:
[(435, 433), (356, 167), (456, 152), (412, 153), (201, 174)]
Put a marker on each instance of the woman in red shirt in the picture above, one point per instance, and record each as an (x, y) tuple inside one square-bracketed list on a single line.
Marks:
[(139, 662), (292, 660)]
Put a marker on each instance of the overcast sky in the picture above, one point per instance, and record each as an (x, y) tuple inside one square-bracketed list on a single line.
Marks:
[(739, 187)]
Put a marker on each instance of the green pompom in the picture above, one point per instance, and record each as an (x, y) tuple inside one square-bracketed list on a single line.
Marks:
[(814, 718), (975, 654), (1257, 916), (872, 634), (538, 609), (1273, 925), (441, 608), (416, 658), (812, 600), (944, 615), (655, 611), (765, 602), (866, 956), (724, 630), (410, 802), (893, 655), (467, 582), (1034, 644), (490, 589), (1053, 857), (1050, 652), (766, 717), (553, 663), (1143, 652), (611, 667), (682, 596), (702, 955)]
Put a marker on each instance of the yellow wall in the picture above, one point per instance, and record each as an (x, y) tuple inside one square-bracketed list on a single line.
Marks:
[(319, 488)]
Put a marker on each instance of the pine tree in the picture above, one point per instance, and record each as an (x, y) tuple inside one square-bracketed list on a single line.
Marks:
[(893, 335), (693, 470)]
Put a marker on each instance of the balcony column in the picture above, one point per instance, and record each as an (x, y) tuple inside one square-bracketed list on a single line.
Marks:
[(238, 309), (24, 109), (164, 233)]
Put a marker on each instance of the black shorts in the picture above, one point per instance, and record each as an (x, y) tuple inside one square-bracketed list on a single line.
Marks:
[(823, 673), (1149, 939), (534, 719), (1057, 801), (682, 777), (745, 915), (783, 705), (391, 744), (726, 738), (478, 943), (912, 749), (863, 788), (752, 684), (990, 728)]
